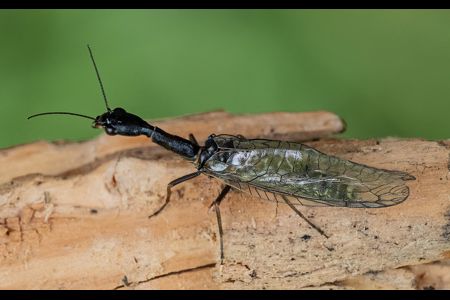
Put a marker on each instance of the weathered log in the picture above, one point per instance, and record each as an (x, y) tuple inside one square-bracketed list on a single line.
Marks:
[(75, 216)]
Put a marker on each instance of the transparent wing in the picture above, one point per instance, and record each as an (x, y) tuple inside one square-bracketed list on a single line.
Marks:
[(271, 169)]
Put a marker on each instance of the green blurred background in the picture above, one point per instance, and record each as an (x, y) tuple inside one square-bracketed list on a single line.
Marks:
[(386, 72)]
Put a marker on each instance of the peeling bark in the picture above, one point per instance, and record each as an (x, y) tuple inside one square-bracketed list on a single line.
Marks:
[(75, 216)]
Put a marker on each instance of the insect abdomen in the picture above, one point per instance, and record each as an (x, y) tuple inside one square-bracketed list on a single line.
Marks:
[(310, 177)]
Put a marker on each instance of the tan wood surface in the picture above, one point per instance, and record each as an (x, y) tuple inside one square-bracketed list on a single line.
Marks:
[(75, 216)]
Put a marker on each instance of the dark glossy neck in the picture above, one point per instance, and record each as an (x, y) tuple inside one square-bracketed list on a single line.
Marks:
[(118, 121), (174, 143)]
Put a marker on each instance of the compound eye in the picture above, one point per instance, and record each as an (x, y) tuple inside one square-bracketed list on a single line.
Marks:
[(119, 110)]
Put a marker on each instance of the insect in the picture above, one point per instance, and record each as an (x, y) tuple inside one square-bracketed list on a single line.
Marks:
[(284, 172)]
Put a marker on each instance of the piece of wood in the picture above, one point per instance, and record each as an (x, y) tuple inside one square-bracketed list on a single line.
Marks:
[(75, 216)]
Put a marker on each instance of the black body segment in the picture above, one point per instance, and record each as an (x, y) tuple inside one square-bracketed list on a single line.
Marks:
[(120, 122)]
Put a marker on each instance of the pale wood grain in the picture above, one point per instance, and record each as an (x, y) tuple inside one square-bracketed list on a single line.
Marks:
[(75, 216)]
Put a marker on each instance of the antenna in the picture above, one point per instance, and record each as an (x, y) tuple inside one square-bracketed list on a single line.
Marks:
[(61, 113), (99, 80)]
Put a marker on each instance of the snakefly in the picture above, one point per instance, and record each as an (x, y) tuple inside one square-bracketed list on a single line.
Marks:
[(284, 172)]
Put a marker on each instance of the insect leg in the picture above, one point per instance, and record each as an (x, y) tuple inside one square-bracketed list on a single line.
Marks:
[(219, 219), (172, 184), (303, 217)]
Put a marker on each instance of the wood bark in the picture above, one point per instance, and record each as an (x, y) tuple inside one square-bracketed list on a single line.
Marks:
[(75, 216)]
